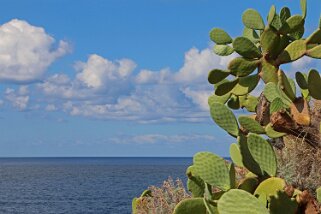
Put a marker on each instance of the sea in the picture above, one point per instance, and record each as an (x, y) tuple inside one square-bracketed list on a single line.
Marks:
[(81, 185)]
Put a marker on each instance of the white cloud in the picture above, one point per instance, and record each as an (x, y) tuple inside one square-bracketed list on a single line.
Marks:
[(26, 51), (51, 107), (18, 99)]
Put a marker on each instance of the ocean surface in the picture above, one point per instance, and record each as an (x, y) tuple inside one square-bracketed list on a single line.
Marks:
[(81, 185)]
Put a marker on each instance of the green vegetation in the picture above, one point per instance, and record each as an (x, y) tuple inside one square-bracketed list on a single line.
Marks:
[(263, 174)]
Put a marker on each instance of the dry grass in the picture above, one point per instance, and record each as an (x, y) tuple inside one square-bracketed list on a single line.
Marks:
[(164, 198)]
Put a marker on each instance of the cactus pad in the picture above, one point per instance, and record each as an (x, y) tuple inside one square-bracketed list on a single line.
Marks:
[(281, 202), (301, 79), (269, 187), (235, 154), (292, 52), (242, 67), (190, 206), (223, 50), (212, 169), (253, 20), (211, 208), (285, 13), (314, 38), (276, 105), (262, 153), (314, 84), (304, 8), (226, 87), (251, 125), (217, 75), (314, 52), (270, 132), (245, 85), (318, 193), (272, 14), (268, 72), (246, 48), (238, 201), (220, 37), (292, 24), (219, 99), (269, 41), (251, 35), (286, 86), (196, 186), (249, 184), (234, 102), (224, 118)]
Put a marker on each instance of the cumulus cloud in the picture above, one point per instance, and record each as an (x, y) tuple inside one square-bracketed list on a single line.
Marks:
[(18, 98), (26, 51)]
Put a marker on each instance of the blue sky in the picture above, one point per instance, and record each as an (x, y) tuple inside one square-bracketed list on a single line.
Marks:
[(116, 77)]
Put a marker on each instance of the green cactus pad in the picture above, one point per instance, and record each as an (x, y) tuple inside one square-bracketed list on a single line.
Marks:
[(298, 34), (238, 201), (220, 37), (253, 20), (247, 158), (302, 80), (286, 86), (292, 24), (242, 67), (262, 153), (217, 75), (272, 14), (196, 186), (234, 102), (212, 169), (134, 205), (277, 105), (314, 52), (276, 23), (210, 206), (246, 48), (292, 52), (146, 193), (232, 175), (249, 102), (251, 35), (251, 125), (281, 202), (226, 87), (268, 188), (224, 118), (190, 206), (314, 84), (223, 50), (270, 132), (285, 13), (249, 184), (314, 38), (235, 154), (269, 42), (219, 99), (318, 193), (272, 91), (246, 85), (304, 8), (268, 72)]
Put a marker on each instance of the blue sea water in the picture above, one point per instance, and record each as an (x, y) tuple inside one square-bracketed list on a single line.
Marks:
[(81, 185)]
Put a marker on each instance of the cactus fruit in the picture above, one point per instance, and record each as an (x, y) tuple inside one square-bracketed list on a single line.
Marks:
[(270, 132), (223, 50), (225, 118), (314, 52), (314, 84), (242, 67), (212, 169), (281, 202), (253, 20), (263, 153), (292, 52), (220, 37), (251, 125), (246, 85), (190, 206), (249, 184), (246, 48), (235, 155), (238, 201), (269, 187), (217, 75)]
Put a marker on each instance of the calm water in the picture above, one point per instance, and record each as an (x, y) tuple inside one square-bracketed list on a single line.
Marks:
[(81, 185)]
